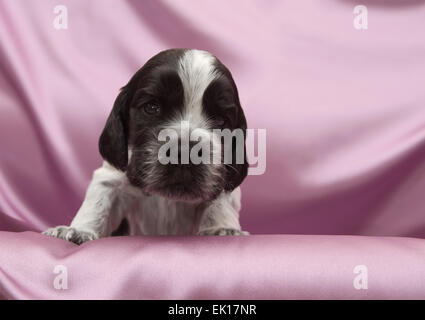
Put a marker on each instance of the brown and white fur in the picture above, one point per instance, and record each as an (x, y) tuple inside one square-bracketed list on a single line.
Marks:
[(132, 193)]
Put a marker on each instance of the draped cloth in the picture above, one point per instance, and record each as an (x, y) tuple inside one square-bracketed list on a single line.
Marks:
[(344, 111)]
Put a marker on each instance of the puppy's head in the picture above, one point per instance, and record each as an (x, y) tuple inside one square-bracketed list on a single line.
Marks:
[(189, 93)]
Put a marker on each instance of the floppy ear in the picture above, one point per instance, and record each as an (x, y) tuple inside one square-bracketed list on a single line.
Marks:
[(238, 171), (113, 142)]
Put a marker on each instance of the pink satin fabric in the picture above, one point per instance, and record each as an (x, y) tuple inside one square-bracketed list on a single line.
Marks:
[(257, 267), (344, 111)]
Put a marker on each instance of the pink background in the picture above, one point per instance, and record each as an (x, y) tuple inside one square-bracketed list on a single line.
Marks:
[(344, 111)]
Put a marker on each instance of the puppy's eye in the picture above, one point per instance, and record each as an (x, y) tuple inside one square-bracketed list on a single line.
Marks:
[(152, 108)]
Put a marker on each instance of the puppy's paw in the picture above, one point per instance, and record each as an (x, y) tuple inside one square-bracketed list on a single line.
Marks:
[(222, 232), (70, 234)]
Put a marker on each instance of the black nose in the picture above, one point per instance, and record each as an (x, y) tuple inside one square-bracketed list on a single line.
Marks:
[(186, 149)]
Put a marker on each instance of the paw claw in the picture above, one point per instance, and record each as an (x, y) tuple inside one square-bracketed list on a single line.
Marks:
[(223, 232), (70, 234)]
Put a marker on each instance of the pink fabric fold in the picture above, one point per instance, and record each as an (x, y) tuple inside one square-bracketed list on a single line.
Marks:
[(255, 267)]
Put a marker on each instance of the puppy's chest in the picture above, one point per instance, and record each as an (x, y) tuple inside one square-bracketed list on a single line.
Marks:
[(155, 215)]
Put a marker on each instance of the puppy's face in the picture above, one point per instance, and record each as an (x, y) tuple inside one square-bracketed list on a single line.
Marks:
[(186, 92)]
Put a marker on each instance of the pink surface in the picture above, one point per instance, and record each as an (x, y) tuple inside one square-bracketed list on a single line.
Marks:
[(345, 116), (257, 267)]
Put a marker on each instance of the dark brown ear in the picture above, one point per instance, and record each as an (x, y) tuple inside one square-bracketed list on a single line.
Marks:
[(235, 172), (238, 171), (113, 142)]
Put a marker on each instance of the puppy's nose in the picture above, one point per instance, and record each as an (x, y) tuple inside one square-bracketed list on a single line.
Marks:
[(184, 151)]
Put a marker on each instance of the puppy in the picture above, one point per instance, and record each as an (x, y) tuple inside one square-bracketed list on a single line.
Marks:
[(134, 192)]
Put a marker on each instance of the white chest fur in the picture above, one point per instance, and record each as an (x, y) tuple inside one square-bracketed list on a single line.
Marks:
[(155, 215)]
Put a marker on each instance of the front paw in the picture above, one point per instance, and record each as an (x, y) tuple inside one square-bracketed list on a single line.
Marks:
[(70, 234), (222, 232)]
